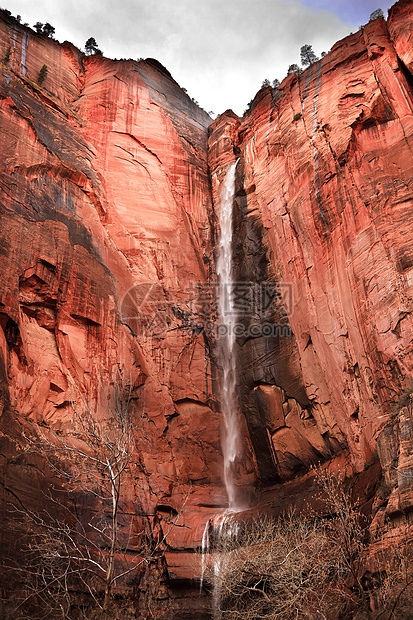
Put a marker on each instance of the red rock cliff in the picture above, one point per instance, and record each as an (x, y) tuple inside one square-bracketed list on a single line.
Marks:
[(108, 224), (324, 205), (105, 220)]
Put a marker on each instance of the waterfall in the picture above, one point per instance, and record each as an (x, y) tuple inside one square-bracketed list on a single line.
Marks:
[(205, 549), (226, 339), (225, 526), (225, 530)]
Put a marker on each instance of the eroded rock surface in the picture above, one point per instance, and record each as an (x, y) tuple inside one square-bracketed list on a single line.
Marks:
[(108, 201), (324, 210), (105, 220)]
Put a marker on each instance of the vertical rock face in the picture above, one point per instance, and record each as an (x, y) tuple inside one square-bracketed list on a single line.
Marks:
[(324, 211), (105, 218), (107, 203)]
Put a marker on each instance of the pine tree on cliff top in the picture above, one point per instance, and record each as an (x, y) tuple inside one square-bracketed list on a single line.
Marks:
[(308, 56), (376, 14), (91, 47)]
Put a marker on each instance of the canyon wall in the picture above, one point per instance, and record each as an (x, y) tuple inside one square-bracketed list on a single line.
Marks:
[(108, 198), (323, 204), (106, 236)]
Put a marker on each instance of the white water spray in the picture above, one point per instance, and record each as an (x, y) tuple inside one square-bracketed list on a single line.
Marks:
[(205, 549), (226, 342), (225, 525), (225, 530)]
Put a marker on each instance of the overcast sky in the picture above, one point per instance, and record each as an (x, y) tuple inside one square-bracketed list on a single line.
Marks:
[(219, 50)]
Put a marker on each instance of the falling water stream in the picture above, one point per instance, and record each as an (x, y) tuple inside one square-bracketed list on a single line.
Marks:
[(226, 340), (225, 525)]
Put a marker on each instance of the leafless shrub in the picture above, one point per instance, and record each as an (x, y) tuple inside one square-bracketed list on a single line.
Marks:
[(285, 568), (309, 566), (84, 543), (345, 524), (380, 593)]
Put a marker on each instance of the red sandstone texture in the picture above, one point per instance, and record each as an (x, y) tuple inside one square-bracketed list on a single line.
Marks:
[(105, 227), (325, 173), (108, 224)]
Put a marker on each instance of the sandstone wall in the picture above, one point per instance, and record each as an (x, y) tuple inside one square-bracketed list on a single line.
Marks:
[(105, 218), (108, 205), (323, 206)]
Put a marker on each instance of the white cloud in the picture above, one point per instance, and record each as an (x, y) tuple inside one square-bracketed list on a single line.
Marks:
[(220, 50)]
